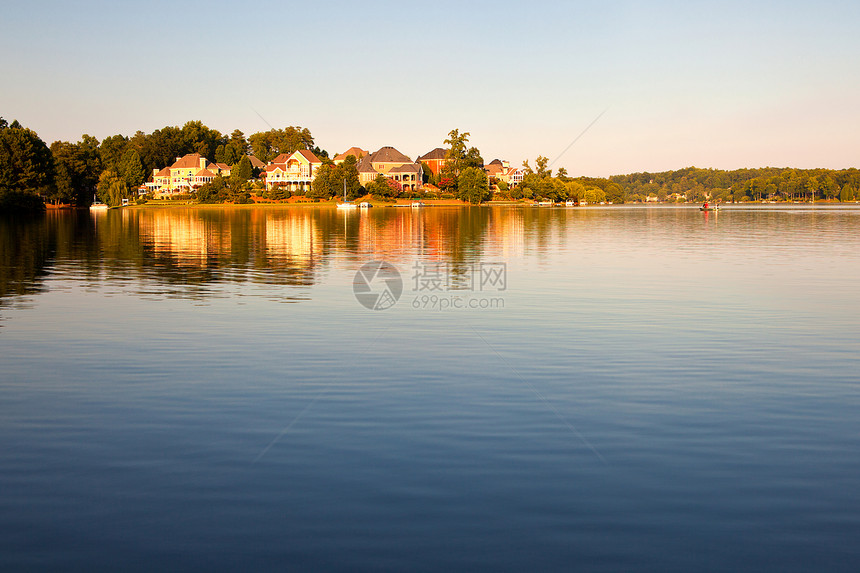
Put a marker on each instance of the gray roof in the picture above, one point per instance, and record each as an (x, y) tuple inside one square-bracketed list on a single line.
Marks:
[(407, 168), (364, 165), (437, 153), (389, 155)]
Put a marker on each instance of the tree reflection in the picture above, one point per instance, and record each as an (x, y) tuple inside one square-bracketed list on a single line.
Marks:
[(189, 252)]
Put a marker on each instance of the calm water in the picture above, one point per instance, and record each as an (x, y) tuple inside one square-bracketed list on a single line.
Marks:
[(650, 389)]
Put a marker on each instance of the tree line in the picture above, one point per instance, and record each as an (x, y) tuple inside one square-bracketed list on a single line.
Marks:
[(768, 183), (74, 172)]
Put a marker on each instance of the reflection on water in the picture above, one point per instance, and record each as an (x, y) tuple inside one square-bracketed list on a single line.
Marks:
[(188, 252), (192, 249), (664, 390)]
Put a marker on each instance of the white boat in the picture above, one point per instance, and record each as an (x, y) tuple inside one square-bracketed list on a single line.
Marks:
[(581, 203), (346, 204), (97, 205), (417, 204), (365, 205), (570, 203)]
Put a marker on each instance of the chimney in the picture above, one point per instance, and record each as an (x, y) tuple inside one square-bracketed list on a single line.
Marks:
[(154, 171)]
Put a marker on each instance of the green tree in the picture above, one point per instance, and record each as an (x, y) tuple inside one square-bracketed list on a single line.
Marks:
[(239, 143), (244, 170), (384, 188), (213, 192), (197, 138), (594, 195), (131, 170), (541, 166), (575, 190), (473, 186), (267, 145), (78, 166), (325, 182), (349, 173), (160, 148), (829, 187), (472, 159), (111, 151), (112, 188), (847, 194), (457, 152), (26, 168)]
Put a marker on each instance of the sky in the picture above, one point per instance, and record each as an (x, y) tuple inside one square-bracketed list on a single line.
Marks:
[(662, 85)]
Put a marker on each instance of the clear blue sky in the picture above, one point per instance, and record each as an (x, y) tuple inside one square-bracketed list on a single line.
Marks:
[(710, 84)]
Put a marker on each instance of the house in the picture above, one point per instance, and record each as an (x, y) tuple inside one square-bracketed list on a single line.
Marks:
[(203, 177), (513, 176), (160, 181), (188, 173), (409, 176), (356, 152), (496, 166), (435, 160), (255, 163), (293, 171), (181, 176), (184, 169), (394, 165)]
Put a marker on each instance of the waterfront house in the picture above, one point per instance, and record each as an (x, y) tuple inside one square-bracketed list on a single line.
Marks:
[(292, 171), (356, 152), (394, 165), (513, 176), (186, 174), (435, 160)]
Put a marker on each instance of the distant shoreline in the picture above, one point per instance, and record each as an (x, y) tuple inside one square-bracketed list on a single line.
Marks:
[(456, 203)]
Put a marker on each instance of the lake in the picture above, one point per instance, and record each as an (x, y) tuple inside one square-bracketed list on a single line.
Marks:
[(438, 389)]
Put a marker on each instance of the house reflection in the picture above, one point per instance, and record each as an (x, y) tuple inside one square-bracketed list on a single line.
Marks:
[(192, 250)]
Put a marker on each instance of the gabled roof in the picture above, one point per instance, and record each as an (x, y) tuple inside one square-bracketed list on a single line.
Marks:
[(494, 168), (407, 168), (356, 152), (256, 162), (164, 172), (204, 173), (187, 161), (365, 166), (389, 155), (495, 162), (309, 155), (222, 166), (437, 153)]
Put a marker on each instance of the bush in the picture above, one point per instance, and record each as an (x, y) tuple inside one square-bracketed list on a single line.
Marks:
[(20, 202)]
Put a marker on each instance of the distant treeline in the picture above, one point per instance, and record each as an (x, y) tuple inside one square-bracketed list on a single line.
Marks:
[(774, 183)]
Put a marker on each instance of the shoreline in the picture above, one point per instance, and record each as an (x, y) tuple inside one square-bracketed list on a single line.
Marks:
[(167, 204)]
